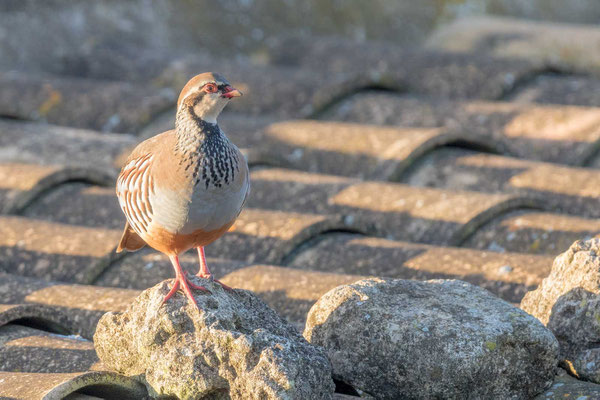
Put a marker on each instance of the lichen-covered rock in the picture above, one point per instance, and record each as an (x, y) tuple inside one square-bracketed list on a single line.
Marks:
[(568, 302), (434, 339), (567, 387), (232, 346), (578, 267)]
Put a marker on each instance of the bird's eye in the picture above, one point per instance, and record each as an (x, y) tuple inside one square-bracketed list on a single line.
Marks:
[(210, 88)]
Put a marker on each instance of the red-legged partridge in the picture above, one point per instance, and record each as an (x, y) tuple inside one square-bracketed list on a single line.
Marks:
[(184, 188)]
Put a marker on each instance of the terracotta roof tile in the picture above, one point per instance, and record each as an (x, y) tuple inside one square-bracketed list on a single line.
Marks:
[(109, 106), (24, 349), (37, 143), (533, 232), (566, 46), (289, 291), (508, 275), (559, 89), (46, 302), (433, 73), (78, 203), (54, 251), (567, 189), (278, 90), (383, 209), (555, 133), (51, 319), (361, 151), (268, 236), (20, 184), (147, 267), (55, 386), (245, 130)]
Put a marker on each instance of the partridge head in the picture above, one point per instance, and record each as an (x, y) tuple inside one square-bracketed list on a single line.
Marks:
[(206, 95)]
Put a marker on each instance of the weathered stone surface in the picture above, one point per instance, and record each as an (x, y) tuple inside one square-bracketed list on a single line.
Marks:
[(578, 267), (233, 345), (567, 387), (568, 302), (433, 339)]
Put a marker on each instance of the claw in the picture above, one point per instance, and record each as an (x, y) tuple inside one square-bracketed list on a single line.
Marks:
[(182, 281), (224, 286), (171, 292), (193, 285), (211, 278)]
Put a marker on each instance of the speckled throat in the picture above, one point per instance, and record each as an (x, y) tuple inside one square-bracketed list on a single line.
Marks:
[(204, 151)]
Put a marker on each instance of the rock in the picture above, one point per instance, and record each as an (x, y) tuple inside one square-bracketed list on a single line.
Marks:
[(233, 346), (568, 302), (567, 387), (578, 267), (434, 339)]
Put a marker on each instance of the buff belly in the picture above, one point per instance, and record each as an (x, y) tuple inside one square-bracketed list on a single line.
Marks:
[(177, 243), (181, 224)]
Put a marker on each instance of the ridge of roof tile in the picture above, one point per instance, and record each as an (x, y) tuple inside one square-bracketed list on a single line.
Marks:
[(508, 275), (356, 150), (566, 189), (553, 133), (47, 302), (54, 251), (109, 106), (26, 349), (534, 232), (562, 45), (44, 144), (56, 386), (23, 183), (417, 71)]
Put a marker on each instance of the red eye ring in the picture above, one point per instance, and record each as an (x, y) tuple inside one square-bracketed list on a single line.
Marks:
[(210, 88)]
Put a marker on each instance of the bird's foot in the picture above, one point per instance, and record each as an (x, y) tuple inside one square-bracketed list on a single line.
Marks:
[(193, 285), (212, 279), (186, 285), (171, 292)]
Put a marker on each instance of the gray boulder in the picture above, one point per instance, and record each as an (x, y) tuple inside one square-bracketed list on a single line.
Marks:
[(233, 346), (565, 387), (568, 302), (434, 339)]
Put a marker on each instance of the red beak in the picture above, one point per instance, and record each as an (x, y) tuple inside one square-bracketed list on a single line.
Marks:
[(231, 92)]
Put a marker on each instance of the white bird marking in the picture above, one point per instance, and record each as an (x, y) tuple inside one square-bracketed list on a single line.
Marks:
[(134, 185)]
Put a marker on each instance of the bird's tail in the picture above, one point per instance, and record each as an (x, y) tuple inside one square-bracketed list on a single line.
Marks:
[(130, 240)]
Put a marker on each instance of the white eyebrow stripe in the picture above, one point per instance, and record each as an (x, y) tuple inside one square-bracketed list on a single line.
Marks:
[(200, 85)]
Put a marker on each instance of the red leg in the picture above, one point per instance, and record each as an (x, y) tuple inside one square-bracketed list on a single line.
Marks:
[(204, 272), (181, 281)]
